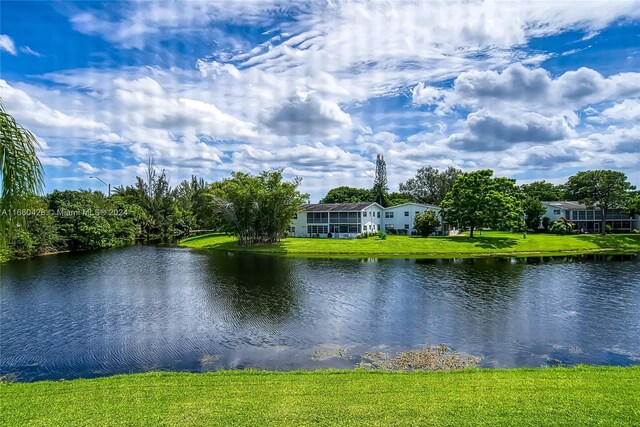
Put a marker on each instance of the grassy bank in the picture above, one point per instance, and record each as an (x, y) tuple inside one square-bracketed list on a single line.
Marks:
[(554, 396), (487, 244)]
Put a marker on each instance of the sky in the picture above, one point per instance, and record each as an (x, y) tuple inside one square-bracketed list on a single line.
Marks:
[(531, 89)]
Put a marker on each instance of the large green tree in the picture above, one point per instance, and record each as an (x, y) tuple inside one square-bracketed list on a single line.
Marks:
[(533, 212), (430, 185), (20, 168), (544, 191), (259, 208), (601, 189), (477, 199), (345, 194), (632, 204), (164, 220)]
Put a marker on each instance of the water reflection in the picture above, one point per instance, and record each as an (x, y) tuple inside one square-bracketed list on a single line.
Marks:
[(148, 308), (252, 286)]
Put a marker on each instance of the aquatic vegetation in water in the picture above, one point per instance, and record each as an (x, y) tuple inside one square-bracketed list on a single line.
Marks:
[(208, 360), (429, 358), (328, 351)]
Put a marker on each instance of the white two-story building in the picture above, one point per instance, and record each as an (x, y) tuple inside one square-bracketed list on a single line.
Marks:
[(350, 219), (589, 219)]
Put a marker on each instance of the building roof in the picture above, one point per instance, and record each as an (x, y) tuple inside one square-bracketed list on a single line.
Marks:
[(566, 205), (415, 204), (336, 207)]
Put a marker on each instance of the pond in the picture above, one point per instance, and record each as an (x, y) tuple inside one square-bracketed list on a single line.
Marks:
[(160, 308)]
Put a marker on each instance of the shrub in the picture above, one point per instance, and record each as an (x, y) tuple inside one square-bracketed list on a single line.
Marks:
[(561, 227), (382, 235), (546, 221), (426, 222), (607, 228), (22, 245)]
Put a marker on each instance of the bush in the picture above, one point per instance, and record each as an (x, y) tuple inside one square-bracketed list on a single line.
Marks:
[(607, 228), (382, 235), (561, 227), (546, 221), (392, 231), (426, 222), (22, 244)]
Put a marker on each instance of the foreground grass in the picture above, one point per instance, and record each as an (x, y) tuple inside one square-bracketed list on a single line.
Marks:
[(487, 244), (584, 396)]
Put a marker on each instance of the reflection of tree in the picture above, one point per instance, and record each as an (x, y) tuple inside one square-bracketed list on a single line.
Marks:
[(480, 280), (252, 287)]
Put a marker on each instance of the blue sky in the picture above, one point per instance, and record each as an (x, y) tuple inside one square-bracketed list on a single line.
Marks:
[(533, 90)]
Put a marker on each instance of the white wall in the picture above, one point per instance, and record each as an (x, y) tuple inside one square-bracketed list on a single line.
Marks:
[(404, 215), (372, 222), (554, 213), (373, 219)]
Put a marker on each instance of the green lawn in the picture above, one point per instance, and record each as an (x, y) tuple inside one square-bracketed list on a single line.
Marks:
[(487, 244), (581, 396)]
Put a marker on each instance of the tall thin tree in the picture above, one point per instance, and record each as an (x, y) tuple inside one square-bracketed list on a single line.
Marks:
[(380, 186)]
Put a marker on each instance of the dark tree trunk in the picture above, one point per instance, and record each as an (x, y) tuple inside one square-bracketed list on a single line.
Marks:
[(603, 225), (471, 227)]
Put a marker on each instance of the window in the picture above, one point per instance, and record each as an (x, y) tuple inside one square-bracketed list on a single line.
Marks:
[(388, 227), (556, 212), (317, 217), (378, 217), (388, 214), (406, 226), (364, 214), (317, 229), (344, 217), (589, 215), (292, 230), (582, 215), (406, 213)]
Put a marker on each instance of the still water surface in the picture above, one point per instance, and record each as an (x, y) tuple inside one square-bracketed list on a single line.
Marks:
[(158, 308)]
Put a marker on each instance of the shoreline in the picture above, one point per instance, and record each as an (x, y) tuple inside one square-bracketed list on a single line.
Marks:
[(425, 248)]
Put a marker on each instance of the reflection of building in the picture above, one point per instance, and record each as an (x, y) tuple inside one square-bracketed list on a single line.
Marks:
[(350, 219), (589, 219)]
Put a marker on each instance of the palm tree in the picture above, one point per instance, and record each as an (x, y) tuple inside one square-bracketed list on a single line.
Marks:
[(20, 168)]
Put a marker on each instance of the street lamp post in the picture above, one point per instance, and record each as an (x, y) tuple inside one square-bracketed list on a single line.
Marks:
[(108, 185)]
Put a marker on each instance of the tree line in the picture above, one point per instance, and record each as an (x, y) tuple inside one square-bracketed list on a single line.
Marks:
[(473, 200)]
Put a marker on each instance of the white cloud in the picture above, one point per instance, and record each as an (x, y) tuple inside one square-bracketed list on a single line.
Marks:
[(55, 161), (629, 109), (426, 94), (535, 88), (7, 44), (27, 50), (32, 112), (85, 167), (490, 132), (138, 23), (307, 114)]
